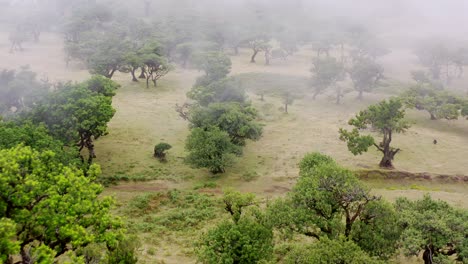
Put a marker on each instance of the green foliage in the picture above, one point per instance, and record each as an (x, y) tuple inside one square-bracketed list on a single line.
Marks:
[(387, 117), (326, 251), (224, 90), (438, 103), (434, 225), (312, 160), (238, 121), (246, 239), (357, 143), (328, 194), (159, 150), (376, 232), (53, 205), (328, 202), (124, 252), (216, 65), (243, 242), (210, 148), (78, 113), (101, 85), (36, 137), (8, 244), (171, 211), (236, 201)]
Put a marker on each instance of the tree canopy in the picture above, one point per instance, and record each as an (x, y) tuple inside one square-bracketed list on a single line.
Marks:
[(78, 112), (434, 227), (387, 117), (48, 209), (238, 121), (210, 148), (440, 104), (246, 238)]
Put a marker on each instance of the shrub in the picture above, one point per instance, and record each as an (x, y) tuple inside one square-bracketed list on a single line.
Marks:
[(159, 151)]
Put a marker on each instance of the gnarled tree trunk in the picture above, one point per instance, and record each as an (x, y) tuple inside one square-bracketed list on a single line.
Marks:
[(252, 60), (134, 79), (389, 152)]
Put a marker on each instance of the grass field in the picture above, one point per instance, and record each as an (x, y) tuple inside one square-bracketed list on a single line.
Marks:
[(268, 167)]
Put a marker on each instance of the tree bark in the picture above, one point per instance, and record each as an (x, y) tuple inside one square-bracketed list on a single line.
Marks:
[(286, 108), (142, 74), (134, 79), (433, 117), (389, 153), (252, 60), (427, 256), (25, 257), (111, 73)]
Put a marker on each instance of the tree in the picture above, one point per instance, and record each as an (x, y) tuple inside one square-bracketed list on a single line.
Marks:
[(185, 51), (132, 62), (326, 73), (329, 202), (330, 193), (78, 113), (210, 148), (438, 103), (216, 66), (258, 45), (365, 74), (238, 121), (434, 227), (434, 55), (108, 55), (247, 238), (37, 137), (160, 151), (224, 90), (152, 62), (55, 208), (154, 67), (288, 99), (387, 117), (20, 90)]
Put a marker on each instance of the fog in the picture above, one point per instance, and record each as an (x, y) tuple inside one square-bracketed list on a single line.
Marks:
[(401, 27)]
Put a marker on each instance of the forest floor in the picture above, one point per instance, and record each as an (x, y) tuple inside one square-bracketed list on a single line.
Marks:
[(268, 167)]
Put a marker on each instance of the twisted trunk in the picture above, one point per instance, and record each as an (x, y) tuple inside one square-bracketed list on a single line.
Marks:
[(134, 79), (252, 60), (389, 152)]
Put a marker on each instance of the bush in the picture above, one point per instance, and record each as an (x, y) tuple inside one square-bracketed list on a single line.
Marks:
[(159, 151)]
